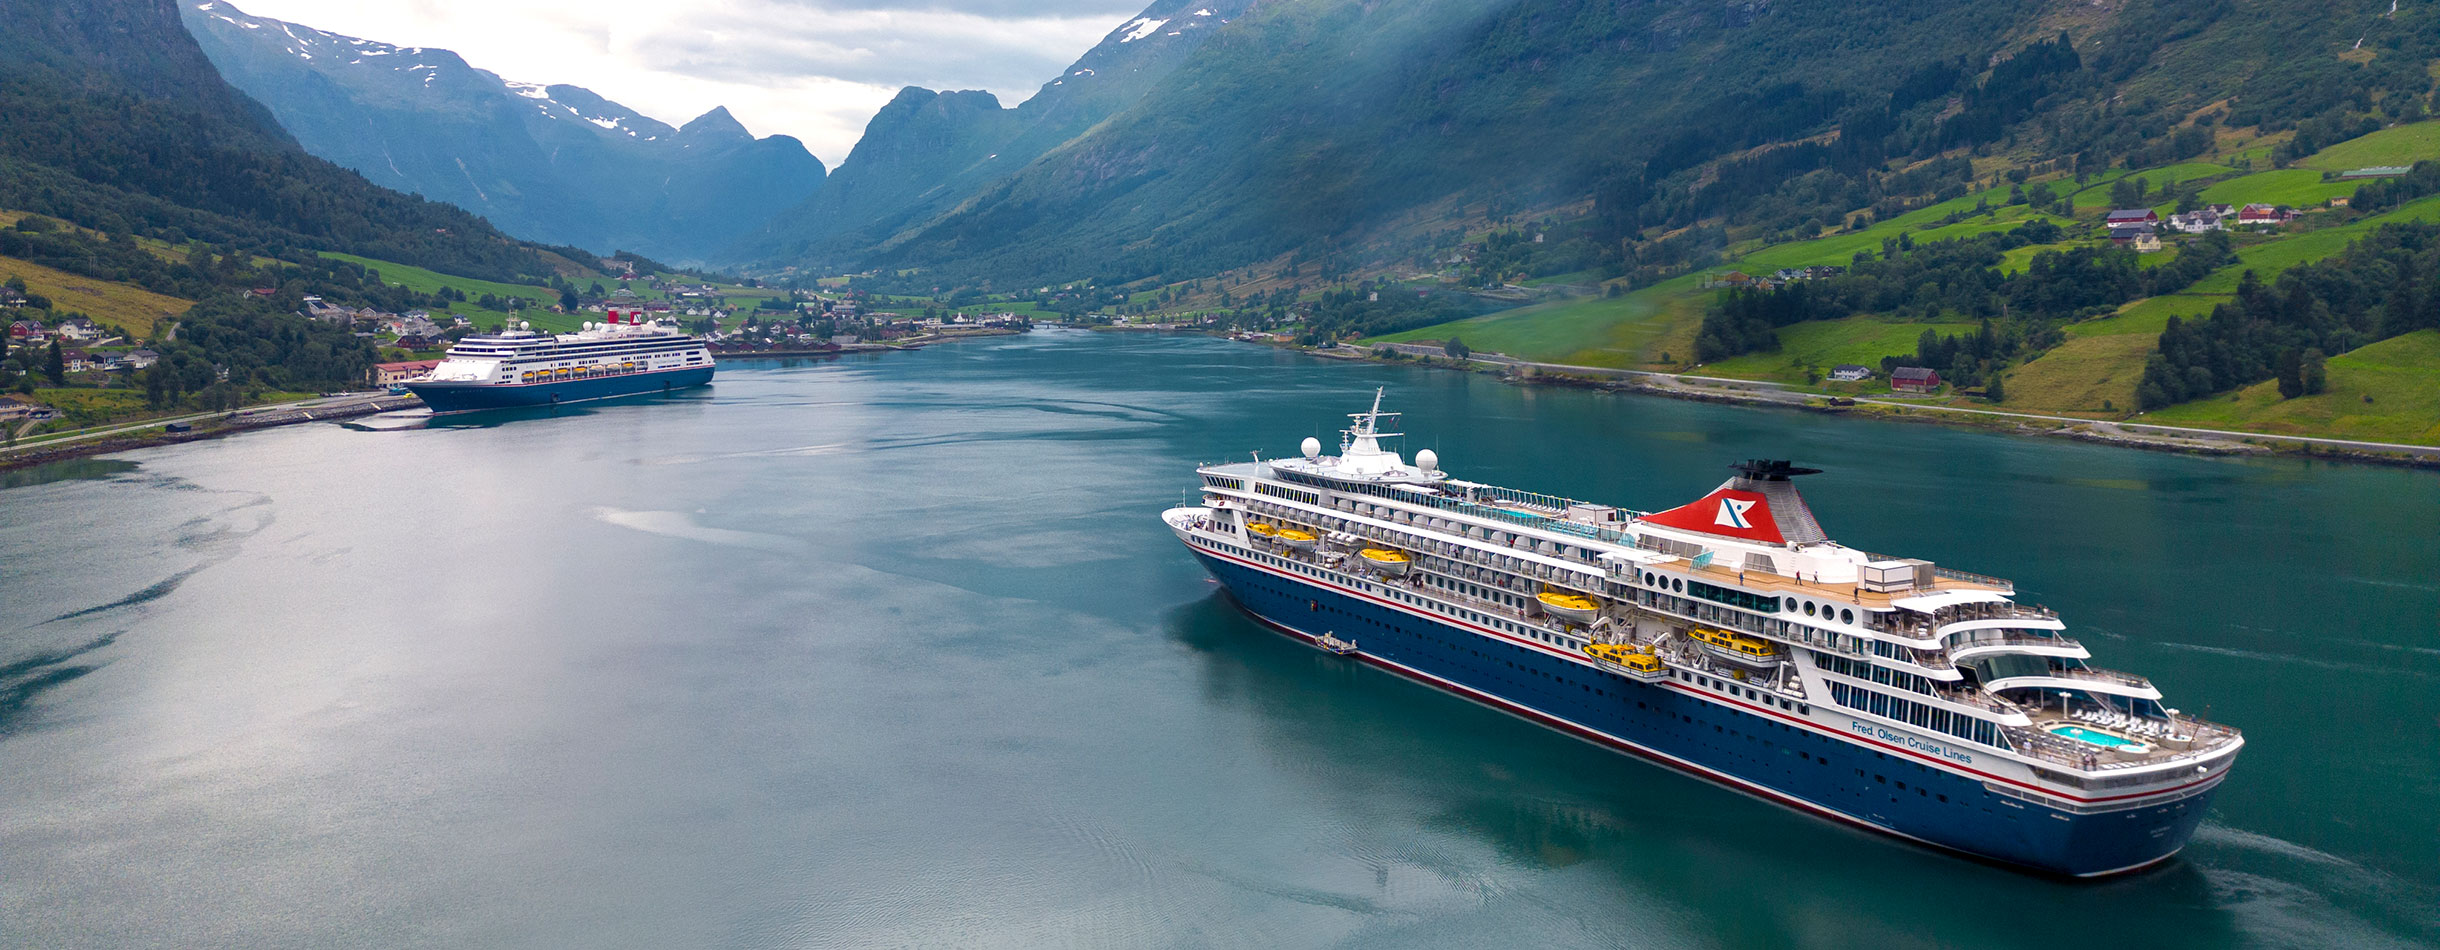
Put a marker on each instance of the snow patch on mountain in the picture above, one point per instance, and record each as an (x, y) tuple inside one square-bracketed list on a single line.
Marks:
[(1142, 27)]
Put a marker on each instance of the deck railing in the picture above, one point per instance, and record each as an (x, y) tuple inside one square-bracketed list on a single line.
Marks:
[(2011, 638)]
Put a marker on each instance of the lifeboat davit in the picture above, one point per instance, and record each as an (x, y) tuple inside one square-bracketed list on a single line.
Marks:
[(1299, 539), (1575, 608), (1386, 561)]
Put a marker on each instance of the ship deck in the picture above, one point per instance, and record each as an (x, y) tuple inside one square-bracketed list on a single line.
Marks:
[(1851, 592)]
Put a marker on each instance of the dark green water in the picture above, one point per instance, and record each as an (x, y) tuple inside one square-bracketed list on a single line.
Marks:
[(897, 653)]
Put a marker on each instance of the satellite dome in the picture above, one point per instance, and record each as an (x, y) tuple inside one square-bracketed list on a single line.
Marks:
[(1312, 447), (1428, 460)]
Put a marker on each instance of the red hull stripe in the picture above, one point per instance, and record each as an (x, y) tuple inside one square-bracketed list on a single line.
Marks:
[(1691, 691)]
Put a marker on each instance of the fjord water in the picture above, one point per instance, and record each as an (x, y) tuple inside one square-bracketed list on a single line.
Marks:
[(896, 652)]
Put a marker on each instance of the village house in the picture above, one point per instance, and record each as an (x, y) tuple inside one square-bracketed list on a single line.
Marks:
[(2132, 216), (2200, 220), (385, 374), (27, 331), (2123, 235), (79, 330), (2147, 243), (77, 361), (132, 360), (1850, 372), (16, 408), (1914, 379), (2264, 216), (9, 297)]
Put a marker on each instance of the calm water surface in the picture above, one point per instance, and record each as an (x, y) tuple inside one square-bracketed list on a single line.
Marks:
[(896, 652)]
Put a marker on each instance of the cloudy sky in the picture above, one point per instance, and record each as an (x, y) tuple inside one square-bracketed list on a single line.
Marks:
[(814, 69)]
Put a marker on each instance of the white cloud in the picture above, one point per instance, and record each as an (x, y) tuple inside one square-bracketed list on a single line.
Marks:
[(814, 69)]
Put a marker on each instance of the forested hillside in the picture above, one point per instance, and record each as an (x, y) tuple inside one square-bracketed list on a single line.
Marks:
[(1358, 130), (143, 169)]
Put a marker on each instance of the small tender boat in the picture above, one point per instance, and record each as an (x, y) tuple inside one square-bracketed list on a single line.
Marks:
[(1386, 561), (1575, 608), (1333, 644), (1296, 538), (1638, 662), (1753, 653)]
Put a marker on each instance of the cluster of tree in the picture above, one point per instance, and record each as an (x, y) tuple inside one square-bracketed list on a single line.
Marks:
[(2384, 285), (259, 347), (1350, 312), (2382, 194), (1975, 359), (1957, 279)]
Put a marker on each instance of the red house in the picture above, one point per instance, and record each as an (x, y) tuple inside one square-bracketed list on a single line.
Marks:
[(2127, 216), (2264, 216), (1914, 379)]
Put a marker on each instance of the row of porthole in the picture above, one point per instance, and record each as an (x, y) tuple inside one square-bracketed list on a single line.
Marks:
[(1678, 585)]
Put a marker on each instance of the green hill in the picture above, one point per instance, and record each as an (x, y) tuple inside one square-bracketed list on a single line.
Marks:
[(2384, 392)]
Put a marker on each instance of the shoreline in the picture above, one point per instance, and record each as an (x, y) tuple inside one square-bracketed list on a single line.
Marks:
[(154, 437), (1759, 394), (274, 416)]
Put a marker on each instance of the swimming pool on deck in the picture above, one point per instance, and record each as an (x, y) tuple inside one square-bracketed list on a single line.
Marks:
[(2081, 734)]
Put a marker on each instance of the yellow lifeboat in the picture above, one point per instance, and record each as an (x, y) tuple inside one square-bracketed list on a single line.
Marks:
[(629, 367), (1261, 529), (1297, 538), (1639, 662), (1740, 649), (1571, 607), (1386, 561)]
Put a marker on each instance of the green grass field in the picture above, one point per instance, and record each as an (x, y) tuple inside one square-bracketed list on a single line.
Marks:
[(89, 407), (2384, 392), (1823, 344), (121, 305), (2097, 195), (2148, 316), (426, 281), (2294, 187), (2402, 145), (2095, 374)]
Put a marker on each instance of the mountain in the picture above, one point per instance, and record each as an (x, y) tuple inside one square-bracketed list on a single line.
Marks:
[(1366, 132), (116, 120), (926, 151), (552, 163)]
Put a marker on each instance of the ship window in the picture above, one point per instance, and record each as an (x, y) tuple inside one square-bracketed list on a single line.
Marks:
[(1846, 616), (1808, 608)]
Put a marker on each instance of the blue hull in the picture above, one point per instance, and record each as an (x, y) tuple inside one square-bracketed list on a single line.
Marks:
[(1799, 765), (459, 397)]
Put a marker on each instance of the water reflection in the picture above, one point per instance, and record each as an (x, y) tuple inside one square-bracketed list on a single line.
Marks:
[(64, 470)]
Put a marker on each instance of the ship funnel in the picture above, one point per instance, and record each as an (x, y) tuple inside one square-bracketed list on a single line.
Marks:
[(1759, 504)]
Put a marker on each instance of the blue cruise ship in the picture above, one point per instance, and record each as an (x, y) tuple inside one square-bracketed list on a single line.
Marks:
[(519, 367), (1729, 638)]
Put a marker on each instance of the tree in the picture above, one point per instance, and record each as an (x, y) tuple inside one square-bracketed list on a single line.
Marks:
[(55, 365), (1456, 348), (2316, 374), (1993, 391), (568, 300), (2291, 373)]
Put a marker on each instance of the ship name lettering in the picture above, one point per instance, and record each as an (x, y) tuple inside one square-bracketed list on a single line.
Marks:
[(1902, 739)]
